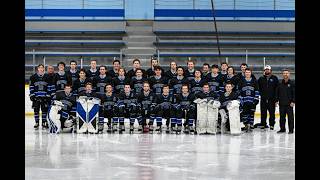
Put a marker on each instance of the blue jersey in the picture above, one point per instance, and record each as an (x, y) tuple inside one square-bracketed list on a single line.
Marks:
[(248, 90)]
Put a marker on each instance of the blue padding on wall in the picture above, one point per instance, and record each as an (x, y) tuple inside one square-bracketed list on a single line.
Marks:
[(75, 12), (223, 13)]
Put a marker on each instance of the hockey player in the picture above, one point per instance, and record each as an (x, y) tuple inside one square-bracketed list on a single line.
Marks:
[(185, 108), (137, 81), (207, 94), (61, 77), (224, 67), (136, 64), (40, 95), (120, 81), (224, 99), (267, 87), (215, 80), (99, 82), (108, 110), (197, 83), (114, 71), (52, 84), (243, 68), (249, 98), (88, 91), (93, 71), (172, 72), (154, 63), (69, 102), (164, 108), (157, 81), (147, 103), (231, 78), (205, 70), (189, 72), (80, 83), (176, 83), (73, 72), (130, 109)]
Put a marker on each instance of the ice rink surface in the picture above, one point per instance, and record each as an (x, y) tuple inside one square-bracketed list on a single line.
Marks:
[(262, 154)]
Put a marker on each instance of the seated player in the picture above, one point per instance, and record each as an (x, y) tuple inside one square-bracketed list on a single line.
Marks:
[(146, 100), (185, 108), (108, 109), (206, 93), (88, 92), (226, 98), (68, 100), (130, 108), (164, 108)]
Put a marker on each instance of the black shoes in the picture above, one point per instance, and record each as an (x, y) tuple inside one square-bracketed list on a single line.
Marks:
[(45, 125), (290, 132), (281, 131), (271, 127)]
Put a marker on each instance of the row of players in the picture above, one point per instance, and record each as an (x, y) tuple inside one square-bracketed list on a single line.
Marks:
[(175, 78)]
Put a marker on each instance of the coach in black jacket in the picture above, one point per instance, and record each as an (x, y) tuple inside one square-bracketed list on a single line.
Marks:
[(267, 87), (285, 95)]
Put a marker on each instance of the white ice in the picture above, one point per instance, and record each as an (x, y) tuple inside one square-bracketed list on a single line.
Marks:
[(257, 155)]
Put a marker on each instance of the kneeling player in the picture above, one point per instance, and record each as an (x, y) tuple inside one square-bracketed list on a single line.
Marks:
[(130, 108), (185, 108), (68, 100), (164, 108)]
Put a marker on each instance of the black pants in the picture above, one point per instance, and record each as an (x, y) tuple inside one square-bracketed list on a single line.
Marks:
[(265, 106), (38, 104), (286, 110)]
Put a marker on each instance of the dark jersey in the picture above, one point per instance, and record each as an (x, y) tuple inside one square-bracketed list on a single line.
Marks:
[(185, 101), (74, 75), (40, 86), (108, 102), (163, 100), (91, 74), (267, 86), (132, 73), (52, 83), (170, 75), (119, 84), (225, 98), (234, 80), (241, 76), (176, 84), (128, 99), (69, 101), (215, 83), (196, 85), (150, 72), (248, 90), (146, 101), (88, 94), (79, 86), (137, 84), (100, 82), (61, 80), (208, 95), (112, 73), (156, 84), (189, 74)]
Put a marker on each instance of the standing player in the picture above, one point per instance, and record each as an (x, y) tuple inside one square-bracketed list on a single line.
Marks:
[(249, 98), (52, 83), (80, 83), (93, 71), (243, 68), (205, 70), (147, 103), (154, 63), (61, 77), (40, 95), (231, 78), (189, 73), (99, 82), (164, 109), (172, 72), (130, 109), (215, 80), (115, 70), (186, 109), (120, 81), (224, 67), (88, 91), (136, 65), (197, 83), (73, 72), (176, 83), (137, 81), (108, 110), (157, 81), (267, 87)]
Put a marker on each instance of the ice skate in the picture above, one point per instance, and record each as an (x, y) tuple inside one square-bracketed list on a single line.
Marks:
[(44, 125), (131, 130), (36, 126), (167, 129)]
